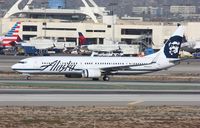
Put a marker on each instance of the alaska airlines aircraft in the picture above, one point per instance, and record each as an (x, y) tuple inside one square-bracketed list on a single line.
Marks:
[(96, 67), (12, 37)]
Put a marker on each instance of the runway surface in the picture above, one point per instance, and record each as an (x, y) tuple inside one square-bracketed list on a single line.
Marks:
[(90, 82), (97, 91), (62, 97), (96, 99)]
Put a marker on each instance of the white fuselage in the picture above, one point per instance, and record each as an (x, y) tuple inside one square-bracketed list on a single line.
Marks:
[(125, 48), (70, 65)]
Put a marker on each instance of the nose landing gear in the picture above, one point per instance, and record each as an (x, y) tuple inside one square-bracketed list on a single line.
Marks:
[(106, 78), (27, 76)]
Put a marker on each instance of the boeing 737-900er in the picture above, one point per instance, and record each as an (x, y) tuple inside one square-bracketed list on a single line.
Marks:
[(97, 67)]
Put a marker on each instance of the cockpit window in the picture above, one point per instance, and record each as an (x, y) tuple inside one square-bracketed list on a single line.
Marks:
[(22, 62)]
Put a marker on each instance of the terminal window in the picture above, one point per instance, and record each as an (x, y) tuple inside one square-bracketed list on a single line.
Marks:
[(89, 30), (95, 30), (101, 40), (61, 39), (92, 40), (27, 37), (136, 31), (29, 28), (99, 31), (70, 39), (61, 29)]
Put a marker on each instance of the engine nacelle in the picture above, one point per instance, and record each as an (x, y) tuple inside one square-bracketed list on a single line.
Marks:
[(91, 73)]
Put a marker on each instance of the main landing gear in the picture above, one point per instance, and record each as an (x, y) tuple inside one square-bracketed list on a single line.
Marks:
[(106, 78), (28, 77)]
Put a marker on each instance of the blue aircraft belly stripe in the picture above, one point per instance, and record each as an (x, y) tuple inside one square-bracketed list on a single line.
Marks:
[(142, 70), (27, 69), (119, 70)]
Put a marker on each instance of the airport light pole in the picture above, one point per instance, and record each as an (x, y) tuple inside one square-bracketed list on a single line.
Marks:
[(113, 20)]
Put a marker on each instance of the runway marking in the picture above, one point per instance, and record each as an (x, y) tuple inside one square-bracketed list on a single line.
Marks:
[(135, 102)]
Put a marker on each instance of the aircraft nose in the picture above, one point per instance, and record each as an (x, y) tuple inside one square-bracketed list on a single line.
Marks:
[(14, 67)]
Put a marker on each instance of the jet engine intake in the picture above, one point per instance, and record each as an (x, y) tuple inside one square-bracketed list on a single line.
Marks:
[(91, 73)]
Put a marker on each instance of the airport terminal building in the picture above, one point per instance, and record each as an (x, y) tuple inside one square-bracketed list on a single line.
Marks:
[(96, 24)]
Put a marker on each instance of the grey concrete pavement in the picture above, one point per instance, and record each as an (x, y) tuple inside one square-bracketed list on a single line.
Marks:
[(97, 99)]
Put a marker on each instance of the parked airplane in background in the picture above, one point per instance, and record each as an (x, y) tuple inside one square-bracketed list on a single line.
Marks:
[(48, 43), (12, 37), (38, 43), (85, 44), (109, 46), (96, 67), (192, 46)]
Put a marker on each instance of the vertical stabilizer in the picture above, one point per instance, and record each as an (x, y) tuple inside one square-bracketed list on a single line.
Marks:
[(170, 51), (173, 45), (82, 39), (12, 36)]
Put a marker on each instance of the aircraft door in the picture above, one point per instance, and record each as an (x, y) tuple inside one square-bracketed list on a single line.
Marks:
[(35, 64)]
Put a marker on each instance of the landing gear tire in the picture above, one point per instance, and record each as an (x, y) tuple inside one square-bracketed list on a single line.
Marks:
[(95, 79), (28, 77), (106, 78)]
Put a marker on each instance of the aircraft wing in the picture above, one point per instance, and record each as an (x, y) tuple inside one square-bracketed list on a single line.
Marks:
[(123, 67)]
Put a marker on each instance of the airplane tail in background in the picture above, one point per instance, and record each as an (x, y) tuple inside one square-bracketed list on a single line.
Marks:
[(12, 37), (82, 39)]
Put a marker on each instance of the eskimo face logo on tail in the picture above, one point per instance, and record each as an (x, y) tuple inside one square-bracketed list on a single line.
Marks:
[(172, 47)]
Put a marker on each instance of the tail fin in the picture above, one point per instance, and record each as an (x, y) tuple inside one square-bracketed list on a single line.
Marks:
[(82, 39), (12, 36), (172, 46), (14, 30), (170, 51)]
